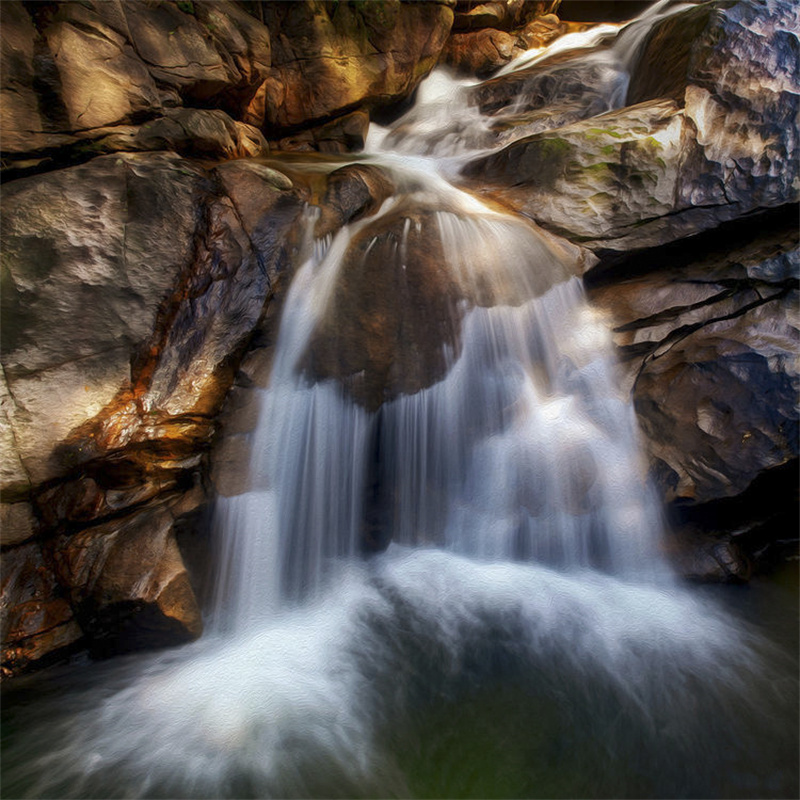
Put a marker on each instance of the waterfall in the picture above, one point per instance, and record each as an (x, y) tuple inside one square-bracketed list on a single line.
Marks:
[(524, 591)]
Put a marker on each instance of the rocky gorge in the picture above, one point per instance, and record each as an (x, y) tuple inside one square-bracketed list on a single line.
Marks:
[(160, 164)]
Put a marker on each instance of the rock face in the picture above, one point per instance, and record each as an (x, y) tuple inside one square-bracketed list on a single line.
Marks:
[(487, 36), (328, 59), (135, 277), (709, 342), (203, 78), (660, 170), (79, 79), (108, 413)]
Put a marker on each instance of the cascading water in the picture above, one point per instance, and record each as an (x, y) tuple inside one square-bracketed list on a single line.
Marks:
[(521, 636)]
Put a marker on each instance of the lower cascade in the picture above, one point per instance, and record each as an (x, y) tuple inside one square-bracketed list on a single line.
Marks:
[(445, 577)]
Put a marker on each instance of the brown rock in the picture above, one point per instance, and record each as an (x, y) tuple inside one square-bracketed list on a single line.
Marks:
[(37, 622), (129, 583), (17, 523), (392, 316), (24, 62), (113, 410), (86, 238), (76, 74), (327, 59), (201, 133), (480, 52), (352, 192), (393, 323)]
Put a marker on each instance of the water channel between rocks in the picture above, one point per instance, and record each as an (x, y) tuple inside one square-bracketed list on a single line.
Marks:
[(522, 635)]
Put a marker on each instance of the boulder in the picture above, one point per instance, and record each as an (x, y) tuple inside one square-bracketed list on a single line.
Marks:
[(393, 323), (328, 59), (482, 50), (80, 78), (37, 623), (657, 171), (128, 583), (393, 317), (352, 192), (499, 14), (107, 415), (201, 133), (709, 344)]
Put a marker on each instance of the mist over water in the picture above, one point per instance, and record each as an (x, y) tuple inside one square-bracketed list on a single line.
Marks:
[(521, 636)]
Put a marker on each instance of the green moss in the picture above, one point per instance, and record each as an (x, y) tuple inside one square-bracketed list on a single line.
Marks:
[(603, 166), (553, 148), (604, 132), (187, 6)]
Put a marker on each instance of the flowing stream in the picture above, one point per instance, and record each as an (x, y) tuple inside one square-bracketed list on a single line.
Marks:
[(522, 635)]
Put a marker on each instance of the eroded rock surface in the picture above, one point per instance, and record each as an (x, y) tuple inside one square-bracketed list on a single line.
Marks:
[(663, 169), (108, 412), (710, 342), (327, 59)]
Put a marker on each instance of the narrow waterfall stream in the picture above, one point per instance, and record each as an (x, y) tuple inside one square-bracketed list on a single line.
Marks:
[(521, 636)]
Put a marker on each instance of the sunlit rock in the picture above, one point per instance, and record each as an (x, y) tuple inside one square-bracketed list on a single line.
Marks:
[(392, 324), (201, 133), (326, 58), (112, 409), (655, 172), (351, 192), (121, 605)]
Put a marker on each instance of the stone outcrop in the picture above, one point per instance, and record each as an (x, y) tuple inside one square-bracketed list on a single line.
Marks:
[(705, 338), (108, 413), (204, 78), (329, 59), (660, 169), (79, 79), (485, 47)]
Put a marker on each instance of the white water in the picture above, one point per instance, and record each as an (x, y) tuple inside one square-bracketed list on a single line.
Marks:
[(578, 76), (526, 548)]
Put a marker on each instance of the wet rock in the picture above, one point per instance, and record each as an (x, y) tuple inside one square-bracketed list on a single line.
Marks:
[(393, 315), (352, 192), (483, 50), (393, 322), (328, 59), (709, 345), (706, 559), (108, 416), (201, 133), (656, 172), (122, 606), (37, 621)]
